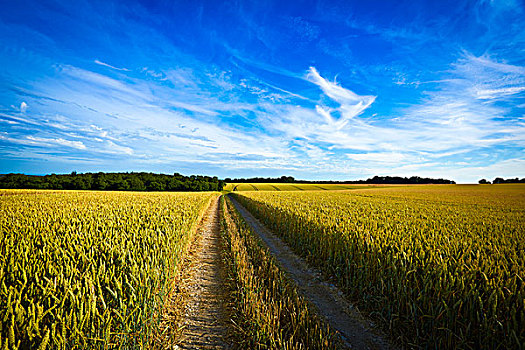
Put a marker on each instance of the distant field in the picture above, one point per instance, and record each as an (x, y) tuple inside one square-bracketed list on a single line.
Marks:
[(238, 187)]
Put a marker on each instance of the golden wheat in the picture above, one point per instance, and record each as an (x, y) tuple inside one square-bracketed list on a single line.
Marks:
[(89, 269), (442, 266)]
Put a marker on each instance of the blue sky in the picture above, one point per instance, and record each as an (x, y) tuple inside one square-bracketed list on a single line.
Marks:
[(314, 89)]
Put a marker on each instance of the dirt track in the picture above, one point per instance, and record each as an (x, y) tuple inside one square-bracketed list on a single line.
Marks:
[(206, 316), (356, 331)]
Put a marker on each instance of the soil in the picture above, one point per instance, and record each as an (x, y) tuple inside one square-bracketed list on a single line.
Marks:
[(356, 331), (206, 316)]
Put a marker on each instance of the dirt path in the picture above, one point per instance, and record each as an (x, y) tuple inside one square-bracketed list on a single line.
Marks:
[(356, 331), (206, 315)]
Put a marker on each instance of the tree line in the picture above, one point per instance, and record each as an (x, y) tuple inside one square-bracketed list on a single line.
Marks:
[(113, 182), (398, 180), (500, 180), (374, 180), (282, 179)]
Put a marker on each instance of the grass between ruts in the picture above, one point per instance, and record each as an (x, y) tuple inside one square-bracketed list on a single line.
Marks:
[(268, 312)]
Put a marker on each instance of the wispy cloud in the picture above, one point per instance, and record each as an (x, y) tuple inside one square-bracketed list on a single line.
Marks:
[(449, 121), (340, 94), (489, 79), (385, 157), (59, 141), (110, 66), (43, 142), (420, 91), (491, 94), (455, 115), (114, 148)]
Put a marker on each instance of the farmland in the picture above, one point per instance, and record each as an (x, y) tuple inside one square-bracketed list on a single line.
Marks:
[(439, 266), (433, 266), (239, 187), (270, 313), (89, 269)]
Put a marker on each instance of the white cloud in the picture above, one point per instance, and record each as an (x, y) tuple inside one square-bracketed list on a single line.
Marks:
[(463, 112), (352, 104), (222, 80), (498, 93), (114, 148), (23, 107), (509, 168), (289, 133), (449, 121), (182, 77), (383, 157), (338, 126), (192, 108), (110, 66), (486, 78), (60, 141)]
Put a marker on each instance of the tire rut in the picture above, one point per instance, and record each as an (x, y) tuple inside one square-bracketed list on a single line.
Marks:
[(356, 331)]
